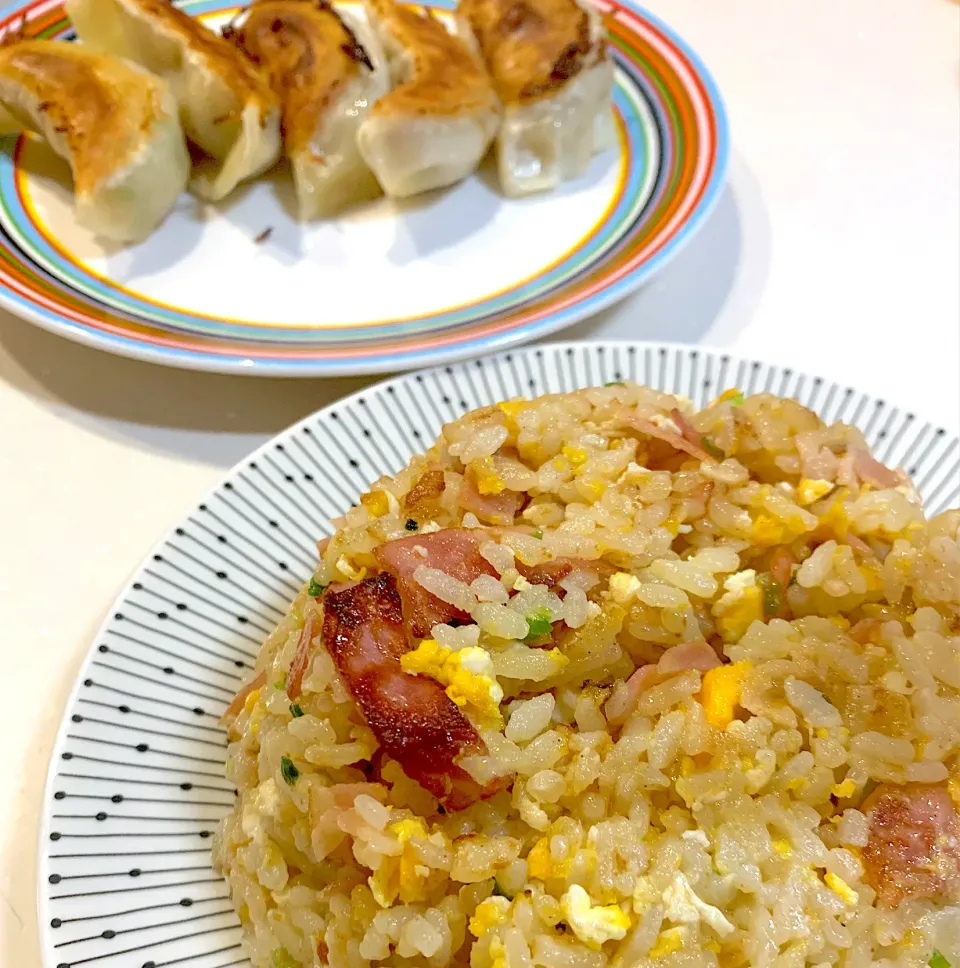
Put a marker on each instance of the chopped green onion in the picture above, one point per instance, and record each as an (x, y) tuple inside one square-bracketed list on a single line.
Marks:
[(316, 589), (296, 711), (712, 449), (538, 624), (538, 533), (283, 959), (736, 400), (772, 594), (937, 960), (281, 683), (288, 771), (411, 525), (615, 383)]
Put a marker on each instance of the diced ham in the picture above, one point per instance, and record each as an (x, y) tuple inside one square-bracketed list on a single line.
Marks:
[(623, 701), (233, 710), (424, 495), (451, 550), (687, 430), (497, 509), (782, 561), (322, 546), (913, 846), (858, 544), (301, 659), (696, 654), (414, 720), (676, 441), (871, 471), (866, 630)]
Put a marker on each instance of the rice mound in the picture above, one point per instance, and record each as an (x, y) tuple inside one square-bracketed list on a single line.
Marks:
[(682, 735)]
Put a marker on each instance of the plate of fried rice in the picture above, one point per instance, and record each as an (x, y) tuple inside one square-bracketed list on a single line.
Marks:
[(582, 656)]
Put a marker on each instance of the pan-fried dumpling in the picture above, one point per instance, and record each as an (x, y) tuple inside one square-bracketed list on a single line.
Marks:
[(226, 108), (435, 126), (327, 71), (550, 69), (115, 124)]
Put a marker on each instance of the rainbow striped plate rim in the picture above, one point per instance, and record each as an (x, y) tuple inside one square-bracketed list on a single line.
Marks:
[(674, 145)]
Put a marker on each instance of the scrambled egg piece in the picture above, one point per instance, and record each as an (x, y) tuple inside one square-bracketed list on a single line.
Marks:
[(783, 848), (489, 914), (498, 954), (468, 675), (400, 875), (836, 520), (684, 906), (376, 503), (593, 489), (540, 862), (264, 803), (953, 785), (634, 474), (733, 394), (841, 888), (512, 407), (576, 455), (769, 531), (809, 490), (345, 567), (644, 894), (667, 942), (844, 790), (623, 587), (739, 606), (488, 480), (254, 710), (593, 924), (720, 692)]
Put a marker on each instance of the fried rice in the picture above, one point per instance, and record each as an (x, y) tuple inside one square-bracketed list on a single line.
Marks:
[(601, 681)]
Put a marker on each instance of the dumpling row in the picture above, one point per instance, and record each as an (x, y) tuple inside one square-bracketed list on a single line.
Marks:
[(396, 102)]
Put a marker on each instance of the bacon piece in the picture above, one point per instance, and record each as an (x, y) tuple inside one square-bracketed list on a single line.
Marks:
[(551, 573), (233, 710), (425, 494), (498, 509), (451, 550), (675, 440), (695, 654), (301, 659), (414, 720), (913, 847), (871, 471)]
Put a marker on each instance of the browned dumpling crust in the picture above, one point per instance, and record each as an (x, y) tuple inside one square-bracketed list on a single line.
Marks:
[(532, 47), (447, 77), (307, 53)]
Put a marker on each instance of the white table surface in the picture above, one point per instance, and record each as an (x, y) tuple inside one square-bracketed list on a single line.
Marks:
[(835, 248)]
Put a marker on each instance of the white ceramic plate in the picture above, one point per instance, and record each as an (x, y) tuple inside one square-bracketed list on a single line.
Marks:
[(388, 285), (136, 783)]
